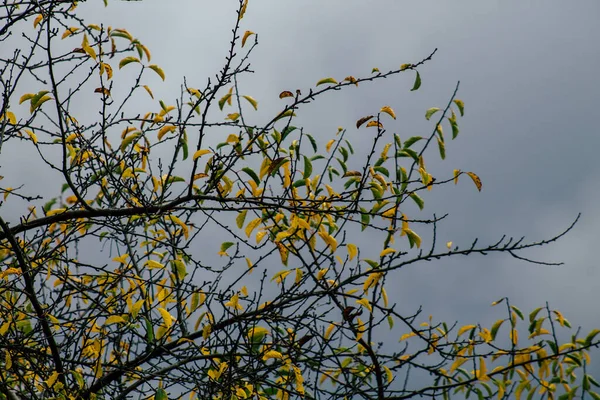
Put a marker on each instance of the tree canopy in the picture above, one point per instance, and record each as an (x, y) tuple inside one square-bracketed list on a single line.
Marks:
[(196, 250)]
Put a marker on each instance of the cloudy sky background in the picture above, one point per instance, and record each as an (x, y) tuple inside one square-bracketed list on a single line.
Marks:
[(529, 79), (528, 73)]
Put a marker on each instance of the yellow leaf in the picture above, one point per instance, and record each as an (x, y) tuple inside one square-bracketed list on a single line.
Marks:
[(328, 331), (25, 97), (384, 296), (166, 316), (158, 70), (245, 37), (85, 45), (388, 110), (179, 222), (272, 354), (71, 30), (200, 153), (457, 173), (280, 276), (48, 213), (476, 180), (352, 251), (148, 90), (365, 303), (252, 225), (329, 144), (152, 264), (37, 20), (114, 319), (234, 302), (31, 135), (388, 372), (466, 328), (387, 251), (252, 101), (407, 336), (449, 245), (374, 123)]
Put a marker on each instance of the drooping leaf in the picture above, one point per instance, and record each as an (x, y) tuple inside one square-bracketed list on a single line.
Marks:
[(247, 34), (430, 112), (252, 101), (363, 120), (461, 106), (158, 70), (417, 83), (388, 110), (476, 180)]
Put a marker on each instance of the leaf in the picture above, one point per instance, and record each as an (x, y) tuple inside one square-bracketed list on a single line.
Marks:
[(285, 93), (160, 394), (200, 153), (374, 123), (158, 70), (326, 80), (476, 180), (247, 34), (412, 140), (465, 329), (417, 199), (388, 110), (239, 220), (114, 319), (102, 90), (495, 327), (164, 130), (590, 337), (461, 106), (387, 251), (85, 45), (430, 112), (307, 168), (252, 101), (363, 120), (37, 20), (442, 148), (71, 30), (128, 60), (417, 83)]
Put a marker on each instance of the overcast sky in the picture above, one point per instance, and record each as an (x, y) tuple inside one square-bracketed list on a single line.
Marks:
[(529, 80), (528, 73)]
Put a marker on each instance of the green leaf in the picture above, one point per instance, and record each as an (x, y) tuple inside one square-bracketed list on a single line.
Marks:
[(518, 312), (252, 174), (410, 141), (49, 205), (307, 168), (442, 148), (417, 200), (382, 170), (312, 141), (226, 245), (372, 264), (287, 131), (409, 153), (161, 394), (430, 112), (417, 83)]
